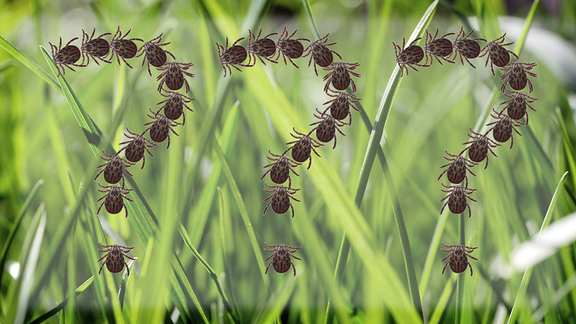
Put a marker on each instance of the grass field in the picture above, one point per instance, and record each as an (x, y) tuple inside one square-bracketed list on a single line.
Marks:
[(369, 220)]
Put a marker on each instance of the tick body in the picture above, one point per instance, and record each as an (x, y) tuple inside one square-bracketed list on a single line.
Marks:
[(123, 48), (516, 76), (263, 48), (456, 171), (497, 54), (457, 202), (289, 48), (517, 105), (281, 259), (114, 169), (173, 76), (174, 106), (503, 127), (438, 48), (340, 106), (478, 148), (409, 56), (115, 255), (327, 127), (280, 199), (95, 48), (458, 258), (154, 53), (114, 199), (280, 169), (136, 148), (66, 56), (232, 57), (160, 128), (320, 53), (339, 76), (466, 48), (302, 147)]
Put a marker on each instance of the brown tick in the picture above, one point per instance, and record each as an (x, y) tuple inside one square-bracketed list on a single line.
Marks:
[(135, 149), (173, 76), (502, 129), (153, 52), (113, 199), (457, 202), (458, 258), (280, 169), (123, 48), (280, 199), (409, 56), (339, 76), (115, 261), (516, 76), (96, 48), (340, 107), (437, 48), (478, 149), (467, 48), (174, 106), (261, 47), (233, 56), (160, 129), (65, 56), (281, 259), (456, 171), (517, 105), (319, 51), (302, 147), (327, 127), (288, 47), (114, 169), (497, 54)]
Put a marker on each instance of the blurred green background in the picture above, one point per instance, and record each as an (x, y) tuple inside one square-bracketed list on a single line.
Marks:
[(196, 223)]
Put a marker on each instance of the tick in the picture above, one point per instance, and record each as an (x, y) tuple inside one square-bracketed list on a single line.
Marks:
[(409, 56), (458, 258), (302, 147), (457, 202), (438, 48), (174, 106), (65, 56), (136, 147), (456, 171), (467, 48), (327, 127), (516, 76), (289, 48), (115, 261), (153, 52), (280, 199), (232, 57), (478, 149), (95, 48), (339, 76), (114, 169), (502, 129), (517, 105), (281, 259), (114, 199), (173, 76), (160, 128), (263, 48), (319, 51), (123, 48), (497, 54), (280, 169), (340, 106)]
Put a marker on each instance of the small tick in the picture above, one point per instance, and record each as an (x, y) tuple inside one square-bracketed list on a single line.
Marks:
[(478, 149), (281, 259), (458, 258), (114, 168), (288, 47), (160, 129), (497, 54), (152, 52), (115, 261), (233, 56), (340, 107), (280, 199), (65, 56), (114, 199), (409, 56), (339, 76), (456, 171), (457, 202), (438, 48), (95, 48), (280, 169), (502, 129), (467, 48), (517, 105), (319, 51), (261, 47), (134, 150), (174, 106), (327, 127), (302, 147), (516, 76), (173, 76), (123, 48)]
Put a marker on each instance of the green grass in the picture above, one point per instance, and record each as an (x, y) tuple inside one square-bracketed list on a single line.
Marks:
[(369, 219)]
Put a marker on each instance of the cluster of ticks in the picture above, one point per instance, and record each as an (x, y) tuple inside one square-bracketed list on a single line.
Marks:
[(516, 76), (301, 149), (171, 76)]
